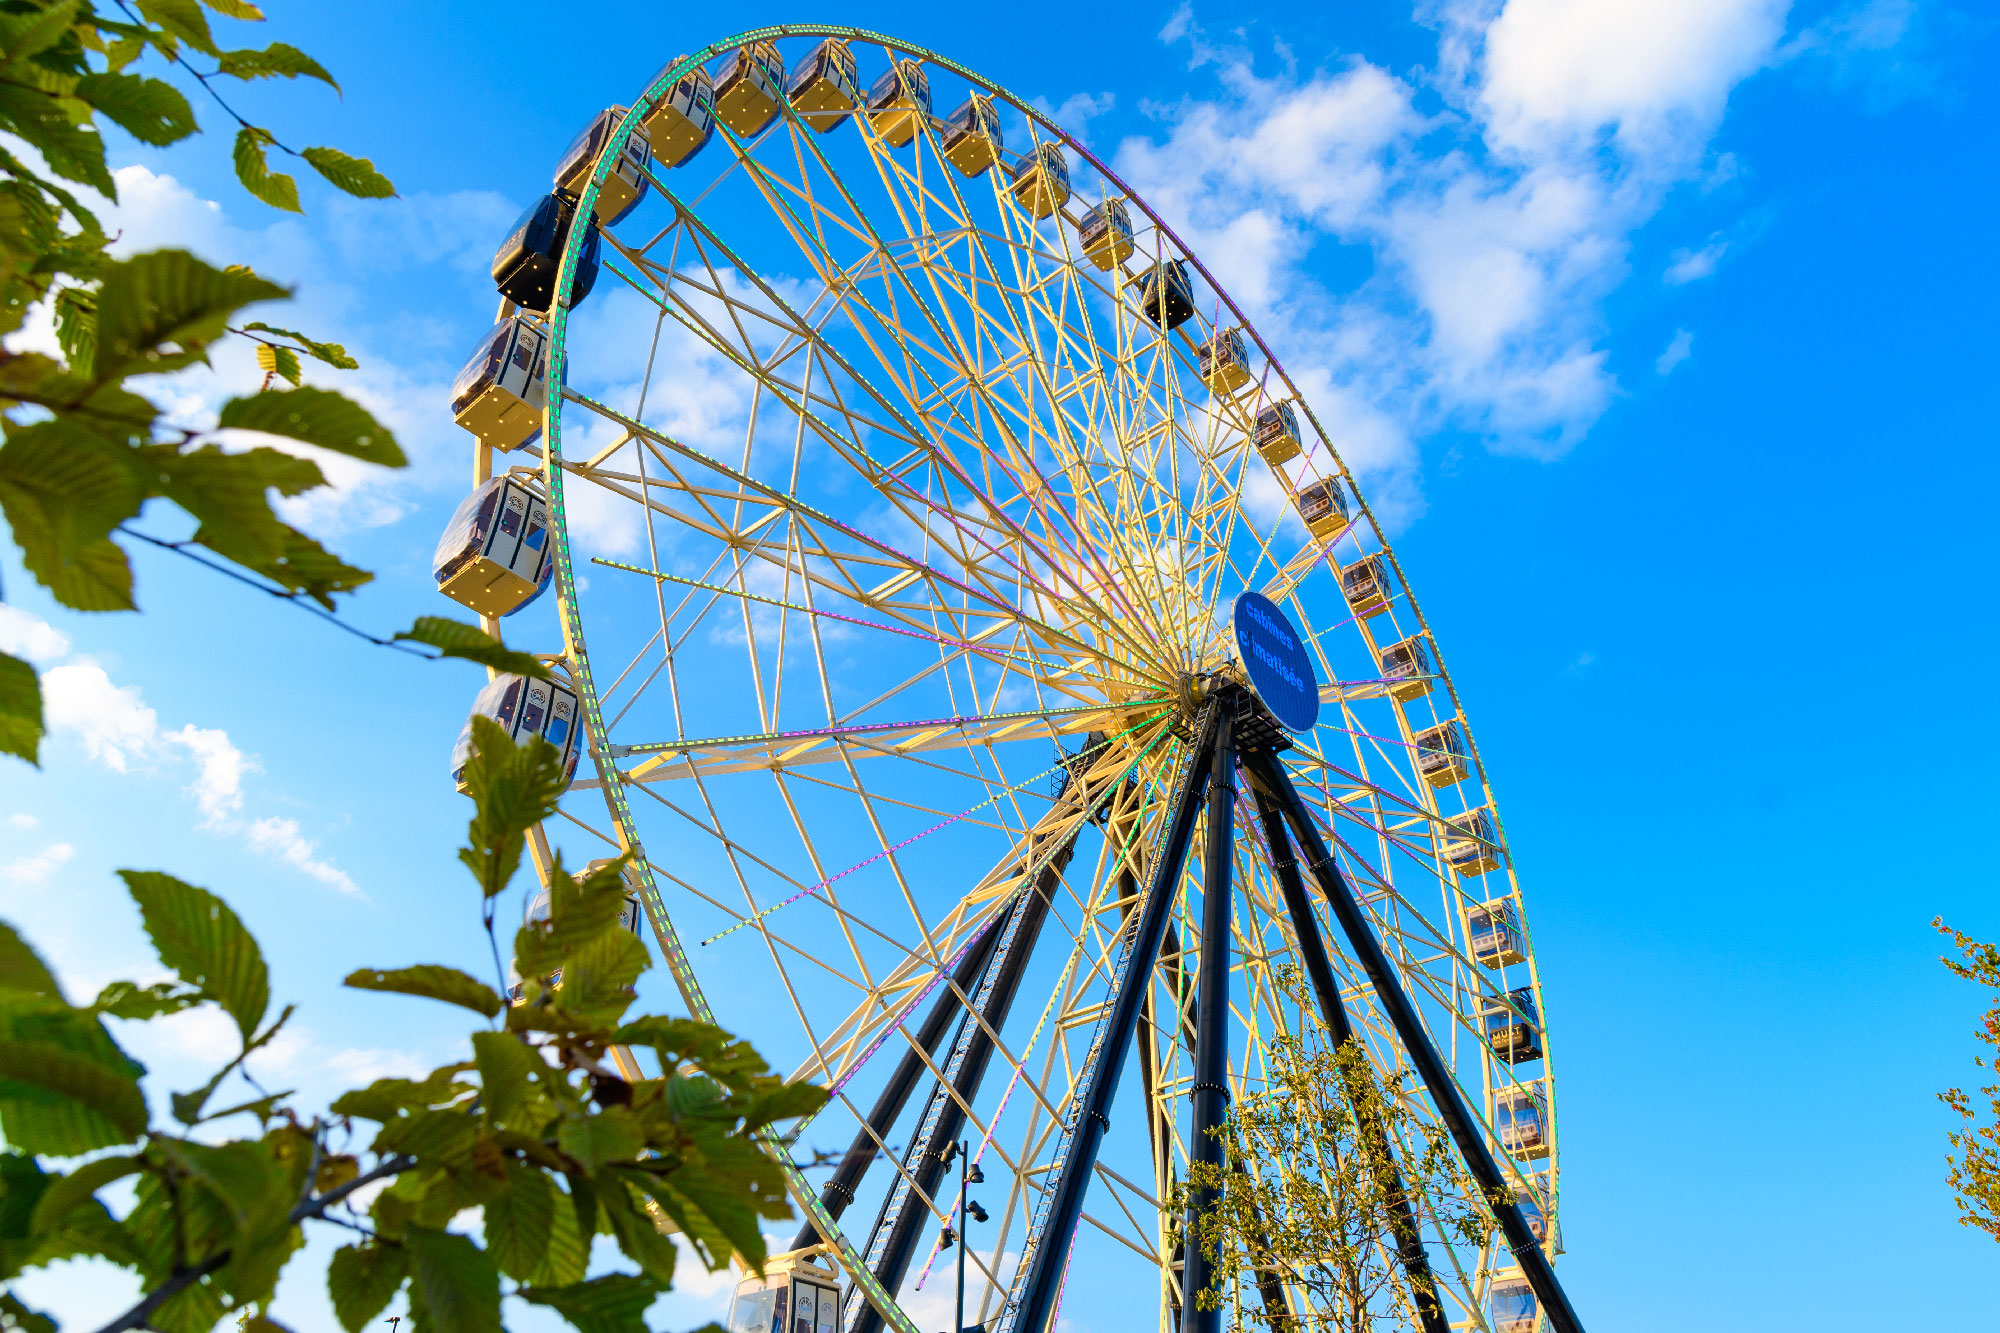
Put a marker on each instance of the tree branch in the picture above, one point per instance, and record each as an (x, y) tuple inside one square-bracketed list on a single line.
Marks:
[(183, 1278)]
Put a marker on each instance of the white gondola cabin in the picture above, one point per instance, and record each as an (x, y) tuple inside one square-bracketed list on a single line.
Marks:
[(495, 557), (826, 88), (1366, 586), (525, 708), (1441, 754), (1324, 509), (1521, 1120), (750, 91), (1472, 846), (1040, 181), (1513, 1303), (1546, 1228), (682, 122), (799, 1293), (1166, 294), (625, 186), (524, 267), (1225, 364), (1492, 934), (900, 103), (499, 394), (1406, 665), (972, 138), (632, 916), (1105, 233), (540, 908), (1513, 1026), (1277, 434)]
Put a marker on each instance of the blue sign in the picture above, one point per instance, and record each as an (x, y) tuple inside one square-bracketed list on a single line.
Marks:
[(1275, 659)]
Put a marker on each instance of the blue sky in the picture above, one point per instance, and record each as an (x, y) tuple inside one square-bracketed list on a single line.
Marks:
[(1660, 334)]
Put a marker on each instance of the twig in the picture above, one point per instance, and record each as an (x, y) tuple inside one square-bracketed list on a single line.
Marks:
[(203, 80), (183, 1278), (295, 598)]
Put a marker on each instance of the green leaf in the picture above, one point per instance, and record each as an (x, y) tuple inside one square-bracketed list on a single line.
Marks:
[(229, 494), (22, 969), (204, 943), (518, 1219), (354, 175), (280, 361), (236, 9), (111, 1096), (567, 1255), (434, 1138), (245, 1177), (76, 324), (63, 489), (72, 150), (149, 110), (363, 1279), (638, 1236), (513, 789), (39, 33), (505, 1064), (20, 710), (433, 981), (158, 311), (276, 61), (601, 1138), (455, 638), (69, 1192), (129, 1000), (454, 1287), (184, 19), (308, 567), (273, 187), (614, 1303), (386, 1098), (599, 974), (332, 353), (315, 416), (580, 910)]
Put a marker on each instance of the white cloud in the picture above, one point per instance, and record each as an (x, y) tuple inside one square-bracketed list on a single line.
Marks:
[(1693, 265), (22, 821), (29, 637), (111, 722), (282, 839), (1655, 75), (31, 870), (117, 728), (1679, 349), (1494, 197), (218, 788)]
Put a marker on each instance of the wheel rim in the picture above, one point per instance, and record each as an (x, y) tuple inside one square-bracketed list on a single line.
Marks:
[(1065, 511)]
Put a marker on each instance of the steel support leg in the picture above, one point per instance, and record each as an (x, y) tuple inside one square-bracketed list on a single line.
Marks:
[(1210, 1094), (868, 1140), (1326, 988), (945, 1117), (1466, 1132), (1048, 1242)]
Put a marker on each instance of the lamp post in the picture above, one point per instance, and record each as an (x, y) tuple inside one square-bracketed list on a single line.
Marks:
[(969, 1211)]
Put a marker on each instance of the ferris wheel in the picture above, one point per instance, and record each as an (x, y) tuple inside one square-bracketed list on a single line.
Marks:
[(1018, 719)]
